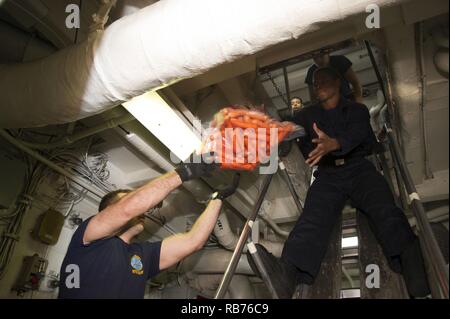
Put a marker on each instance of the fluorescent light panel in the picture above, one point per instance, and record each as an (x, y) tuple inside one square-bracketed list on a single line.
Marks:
[(160, 119)]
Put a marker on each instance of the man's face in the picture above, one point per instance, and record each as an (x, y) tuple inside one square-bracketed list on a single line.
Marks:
[(296, 104), (325, 87), (322, 60)]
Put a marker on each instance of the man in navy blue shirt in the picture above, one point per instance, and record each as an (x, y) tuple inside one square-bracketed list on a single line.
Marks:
[(338, 138), (350, 85), (101, 261)]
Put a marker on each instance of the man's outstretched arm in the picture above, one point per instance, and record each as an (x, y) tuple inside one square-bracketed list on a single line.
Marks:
[(177, 247), (112, 218)]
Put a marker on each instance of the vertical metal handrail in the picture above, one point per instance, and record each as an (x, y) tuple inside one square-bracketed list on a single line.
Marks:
[(288, 180), (262, 270), (431, 251), (231, 268), (387, 175)]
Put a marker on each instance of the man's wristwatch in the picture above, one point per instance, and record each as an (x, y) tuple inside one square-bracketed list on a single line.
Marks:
[(215, 195)]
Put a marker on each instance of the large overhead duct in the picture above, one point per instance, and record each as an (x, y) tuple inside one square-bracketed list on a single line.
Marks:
[(21, 46), (158, 45)]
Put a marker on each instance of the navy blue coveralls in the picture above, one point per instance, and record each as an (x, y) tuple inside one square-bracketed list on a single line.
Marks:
[(356, 179)]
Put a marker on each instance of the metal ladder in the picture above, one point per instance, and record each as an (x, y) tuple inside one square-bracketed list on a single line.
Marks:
[(244, 237)]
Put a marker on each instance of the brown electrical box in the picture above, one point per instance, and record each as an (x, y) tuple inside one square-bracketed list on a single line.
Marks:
[(49, 227)]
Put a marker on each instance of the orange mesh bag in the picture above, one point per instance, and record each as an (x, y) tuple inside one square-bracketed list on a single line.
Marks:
[(243, 138)]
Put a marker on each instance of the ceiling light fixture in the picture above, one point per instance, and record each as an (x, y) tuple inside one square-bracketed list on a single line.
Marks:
[(163, 122)]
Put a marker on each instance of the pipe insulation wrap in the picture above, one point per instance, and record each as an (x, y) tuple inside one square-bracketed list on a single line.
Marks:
[(156, 46), (440, 60), (224, 234), (228, 239), (214, 261)]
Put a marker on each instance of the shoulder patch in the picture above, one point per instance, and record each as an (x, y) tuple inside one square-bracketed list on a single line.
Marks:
[(136, 265)]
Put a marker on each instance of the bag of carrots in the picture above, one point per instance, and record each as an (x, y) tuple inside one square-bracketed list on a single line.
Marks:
[(242, 139)]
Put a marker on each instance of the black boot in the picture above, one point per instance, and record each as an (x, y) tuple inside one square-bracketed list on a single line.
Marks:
[(413, 269), (283, 275)]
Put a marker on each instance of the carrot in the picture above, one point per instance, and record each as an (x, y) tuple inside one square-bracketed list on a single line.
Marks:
[(251, 159), (258, 115), (242, 124), (260, 124), (228, 144), (282, 135), (238, 140), (234, 166), (227, 123), (215, 136), (236, 148), (240, 159), (236, 113)]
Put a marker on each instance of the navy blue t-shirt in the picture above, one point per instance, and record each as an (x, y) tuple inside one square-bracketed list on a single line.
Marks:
[(108, 268), (341, 64), (349, 123)]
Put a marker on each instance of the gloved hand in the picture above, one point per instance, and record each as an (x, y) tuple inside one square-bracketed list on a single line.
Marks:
[(228, 191), (197, 166), (284, 148)]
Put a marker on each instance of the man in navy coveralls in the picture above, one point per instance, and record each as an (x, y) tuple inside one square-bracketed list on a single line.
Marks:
[(338, 139)]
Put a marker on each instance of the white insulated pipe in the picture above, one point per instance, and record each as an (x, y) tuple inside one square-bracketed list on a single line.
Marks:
[(222, 230), (228, 239), (163, 43), (441, 60), (214, 261)]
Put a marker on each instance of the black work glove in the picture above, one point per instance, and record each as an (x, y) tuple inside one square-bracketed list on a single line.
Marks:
[(228, 191), (284, 148), (197, 166)]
